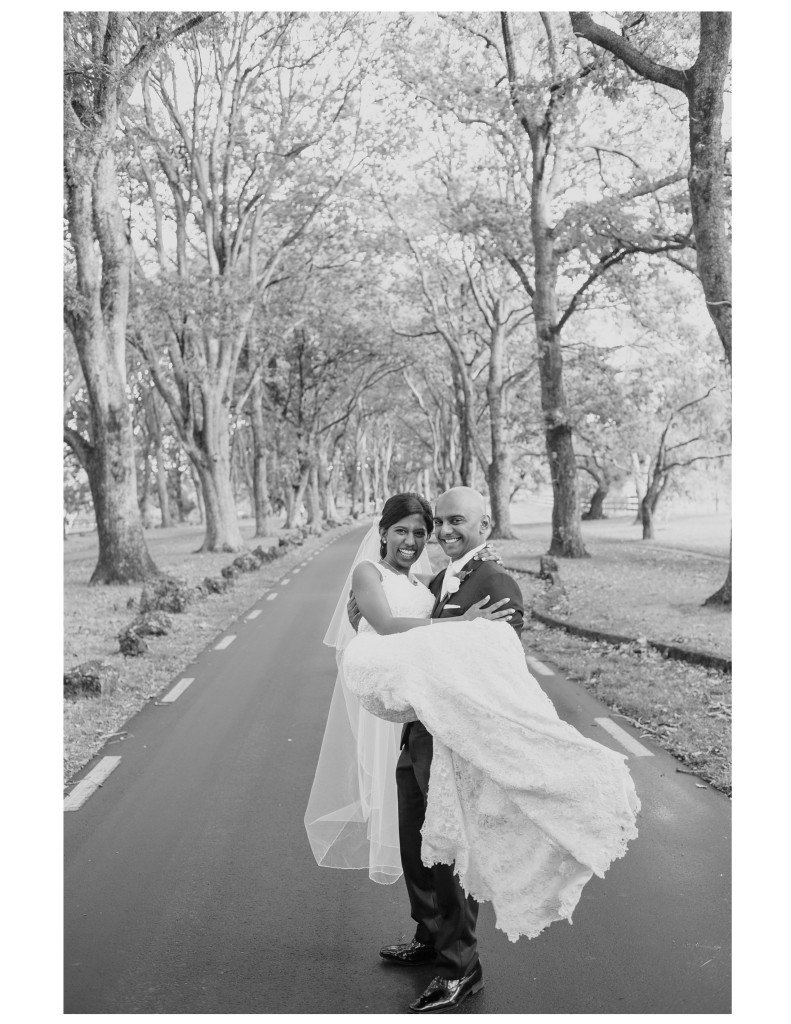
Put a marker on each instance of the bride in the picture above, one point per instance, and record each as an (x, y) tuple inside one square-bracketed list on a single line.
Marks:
[(525, 807)]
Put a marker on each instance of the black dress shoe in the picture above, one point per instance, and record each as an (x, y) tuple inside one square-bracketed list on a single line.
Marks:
[(446, 993), (408, 953)]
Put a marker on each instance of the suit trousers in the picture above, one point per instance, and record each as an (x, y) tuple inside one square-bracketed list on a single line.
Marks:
[(445, 915)]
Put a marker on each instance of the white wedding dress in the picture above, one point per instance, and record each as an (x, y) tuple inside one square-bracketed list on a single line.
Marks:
[(526, 807)]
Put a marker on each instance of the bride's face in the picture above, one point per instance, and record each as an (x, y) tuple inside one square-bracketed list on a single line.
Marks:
[(405, 541)]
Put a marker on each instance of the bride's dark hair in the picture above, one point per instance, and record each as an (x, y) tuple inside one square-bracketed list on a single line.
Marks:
[(398, 507)]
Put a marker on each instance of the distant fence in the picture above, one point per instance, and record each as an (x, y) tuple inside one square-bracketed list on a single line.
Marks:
[(79, 522), (611, 505), (631, 505)]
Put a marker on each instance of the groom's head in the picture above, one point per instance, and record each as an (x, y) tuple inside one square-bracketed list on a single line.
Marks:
[(461, 522)]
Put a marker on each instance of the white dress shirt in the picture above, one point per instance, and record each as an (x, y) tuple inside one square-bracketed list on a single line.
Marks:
[(455, 567)]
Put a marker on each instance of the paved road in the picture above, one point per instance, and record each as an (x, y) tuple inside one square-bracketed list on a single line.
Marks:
[(190, 886)]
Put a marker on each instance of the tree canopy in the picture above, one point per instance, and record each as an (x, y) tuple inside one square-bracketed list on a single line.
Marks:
[(317, 257)]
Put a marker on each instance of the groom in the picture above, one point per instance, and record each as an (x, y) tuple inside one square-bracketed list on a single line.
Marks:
[(445, 915)]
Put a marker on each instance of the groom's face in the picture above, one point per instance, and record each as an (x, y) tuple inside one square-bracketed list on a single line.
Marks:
[(459, 524)]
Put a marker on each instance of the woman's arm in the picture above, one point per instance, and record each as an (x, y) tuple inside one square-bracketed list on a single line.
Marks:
[(371, 600)]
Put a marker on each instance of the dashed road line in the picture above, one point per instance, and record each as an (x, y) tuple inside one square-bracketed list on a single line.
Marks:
[(93, 780), (271, 597), (284, 583), (623, 737), (254, 613), (176, 692), (294, 571), (225, 642), (540, 667)]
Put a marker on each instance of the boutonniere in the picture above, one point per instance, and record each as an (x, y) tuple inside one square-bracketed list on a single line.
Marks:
[(452, 583)]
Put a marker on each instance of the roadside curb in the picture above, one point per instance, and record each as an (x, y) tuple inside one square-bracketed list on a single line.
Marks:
[(674, 651)]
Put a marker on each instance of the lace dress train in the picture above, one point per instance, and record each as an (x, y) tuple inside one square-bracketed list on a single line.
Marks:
[(526, 807)]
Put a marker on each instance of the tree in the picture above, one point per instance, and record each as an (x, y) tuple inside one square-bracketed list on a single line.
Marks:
[(105, 55), (534, 181), (703, 85), (669, 458), (241, 172)]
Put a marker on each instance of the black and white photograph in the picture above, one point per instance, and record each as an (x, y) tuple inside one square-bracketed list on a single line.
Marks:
[(396, 511)]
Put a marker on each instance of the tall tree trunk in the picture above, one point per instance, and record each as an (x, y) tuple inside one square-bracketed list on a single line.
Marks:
[(365, 476), (327, 487), (178, 484), (566, 529), (144, 495), (153, 422), (499, 470), (123, 555), (707, 194), (722, 598), (99, 331), (647, 517), (219, 506), (261, 500), (213, 462), (596, 508), (198, 485), (352, 487), (426, 488), (466, 453), (162, 490), (314, 503), (298, 494), (706, 179)]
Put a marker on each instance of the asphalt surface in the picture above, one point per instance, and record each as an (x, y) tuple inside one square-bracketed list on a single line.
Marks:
[(190, 886)]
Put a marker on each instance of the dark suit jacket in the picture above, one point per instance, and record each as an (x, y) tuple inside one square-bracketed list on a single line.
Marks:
[(485, 578)]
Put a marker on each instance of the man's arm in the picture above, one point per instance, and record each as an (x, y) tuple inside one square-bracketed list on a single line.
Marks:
[(497, 584), (353, 612)]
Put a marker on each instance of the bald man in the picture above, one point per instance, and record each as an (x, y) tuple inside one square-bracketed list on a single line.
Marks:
[(445, 915)]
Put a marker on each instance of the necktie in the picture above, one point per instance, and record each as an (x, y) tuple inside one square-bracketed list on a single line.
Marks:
[(450, 571)]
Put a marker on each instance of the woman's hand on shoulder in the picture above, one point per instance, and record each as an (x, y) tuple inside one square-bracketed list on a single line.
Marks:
[(489, 553)]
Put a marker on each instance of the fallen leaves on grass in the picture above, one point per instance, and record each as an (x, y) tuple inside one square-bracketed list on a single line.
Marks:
[(681, 707)]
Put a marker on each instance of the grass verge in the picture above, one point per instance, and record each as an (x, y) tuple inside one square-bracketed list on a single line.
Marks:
[(638, 588), (95, 615)]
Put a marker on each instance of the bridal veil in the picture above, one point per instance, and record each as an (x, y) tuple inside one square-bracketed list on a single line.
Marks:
[(352, 813)]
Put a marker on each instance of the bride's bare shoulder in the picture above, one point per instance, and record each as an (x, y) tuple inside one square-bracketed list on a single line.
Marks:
[(366, 572)]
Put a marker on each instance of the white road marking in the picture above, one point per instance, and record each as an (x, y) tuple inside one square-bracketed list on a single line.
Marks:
[(623, 737), (87, 787), (225, 642), (254, 613), (284, 583), (540, 667), (294, 571), (271, 597), (177, 691)]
